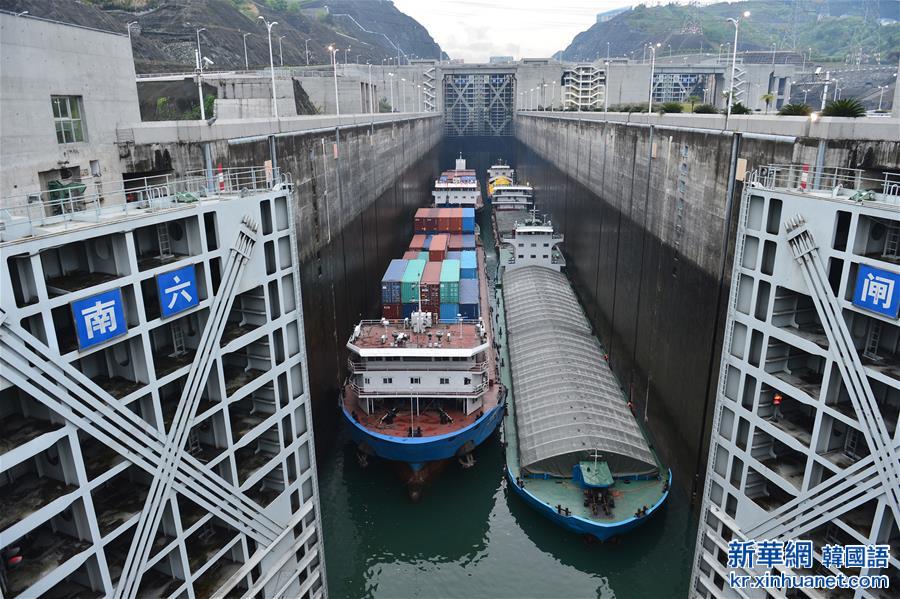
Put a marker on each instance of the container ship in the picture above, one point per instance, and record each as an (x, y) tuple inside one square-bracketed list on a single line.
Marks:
[(574, 450), (423, 389), (458, 188)]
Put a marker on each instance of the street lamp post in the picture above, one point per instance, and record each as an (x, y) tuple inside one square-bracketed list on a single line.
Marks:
[(737, 24), (337, 102), (402, 88), (419, 103), (280, 51), (371, 92), (881, 94), (307, 52), (128, 26), (200, 75), (652, 67), (774, 45), (357, 58), (269, 25), (246, 60), (345, 53), (391, 83), (607, 51)]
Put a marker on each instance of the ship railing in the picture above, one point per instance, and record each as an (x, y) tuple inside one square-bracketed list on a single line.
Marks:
[(362, 366), (838, 182), (109, 199), (473, 391)]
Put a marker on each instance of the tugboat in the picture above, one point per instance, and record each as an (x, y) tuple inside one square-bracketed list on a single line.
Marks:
[(423, 389), (574, 450)]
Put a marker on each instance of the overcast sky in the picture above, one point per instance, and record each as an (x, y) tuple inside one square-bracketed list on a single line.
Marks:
[(477, 29)]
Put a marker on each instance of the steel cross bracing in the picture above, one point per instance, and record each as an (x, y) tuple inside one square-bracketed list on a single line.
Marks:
[(459, 97), (496, 98), (880, 471), (41, 372), (174, 447)]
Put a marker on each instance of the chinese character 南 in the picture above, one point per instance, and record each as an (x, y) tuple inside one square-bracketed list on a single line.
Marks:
[(180, 288), (878, 289), (100, 318)]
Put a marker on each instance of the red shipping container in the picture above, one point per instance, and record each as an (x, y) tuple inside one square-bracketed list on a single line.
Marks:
[(444, 220), (418, 242), (437, 251), (456, 220), (456, 242), (411, 255), (392, 311), (430, 286), (430, 218)]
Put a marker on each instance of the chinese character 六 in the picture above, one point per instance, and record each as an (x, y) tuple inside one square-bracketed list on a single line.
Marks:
[(741, 554), (833, 556), (877, 556), (854, 556), (798, 554), (770, 553), (175, 290), (878, 289), (100, 318)]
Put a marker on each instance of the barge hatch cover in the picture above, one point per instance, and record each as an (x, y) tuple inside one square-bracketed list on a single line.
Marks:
[(568, 401)]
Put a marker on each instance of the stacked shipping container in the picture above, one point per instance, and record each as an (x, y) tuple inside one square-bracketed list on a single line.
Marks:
[(409, 287), (391, 298), (449, 290), (445, 220)]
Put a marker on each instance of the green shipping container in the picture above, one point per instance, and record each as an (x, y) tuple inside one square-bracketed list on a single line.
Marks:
[(423, 256), (450, 282), (409, 287)]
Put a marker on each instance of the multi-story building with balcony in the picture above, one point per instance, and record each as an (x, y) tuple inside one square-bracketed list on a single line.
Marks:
[(584, 87), (155, 425), (805, 429)]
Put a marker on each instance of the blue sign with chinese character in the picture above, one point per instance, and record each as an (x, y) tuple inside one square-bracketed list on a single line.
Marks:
[(177, 290), (877, 290), (99, 318)]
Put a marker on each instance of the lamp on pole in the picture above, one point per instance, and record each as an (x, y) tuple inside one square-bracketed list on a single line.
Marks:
[(774, 45), (200, 75), (357, 58), (607, 51), (307, 52), (652, 67), (391, 84), (128, 26), (402, 88), (280, 51), (881, 94), (371, 91), (347, 49), (269, 25), (419, 103), (737, 25), (337, 103), (246, 60)]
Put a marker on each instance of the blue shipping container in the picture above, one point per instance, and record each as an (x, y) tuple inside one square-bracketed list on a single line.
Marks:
[(468, 220), (390, 283), (428, 241), (468, 241), (469, 311), (454, 256), (408, 309), (449, 312), (468, 265), (468, 291)]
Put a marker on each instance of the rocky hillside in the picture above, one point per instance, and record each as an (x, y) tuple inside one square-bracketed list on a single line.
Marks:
[(166, 37), (832, 28)]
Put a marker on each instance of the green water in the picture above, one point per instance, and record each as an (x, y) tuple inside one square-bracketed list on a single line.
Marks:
[(468, 537)]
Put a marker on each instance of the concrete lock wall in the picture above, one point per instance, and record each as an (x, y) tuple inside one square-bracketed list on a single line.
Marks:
[(353, 206), (649, 225)]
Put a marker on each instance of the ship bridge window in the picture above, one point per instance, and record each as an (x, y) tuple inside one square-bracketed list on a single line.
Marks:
[(445, 381), (414, 380), (546, 245), (387, 380)]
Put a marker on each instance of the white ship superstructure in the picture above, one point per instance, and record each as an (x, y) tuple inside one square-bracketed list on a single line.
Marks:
[(457, 188), (156, 431), (512, 197), (534, 243), (809, 389)]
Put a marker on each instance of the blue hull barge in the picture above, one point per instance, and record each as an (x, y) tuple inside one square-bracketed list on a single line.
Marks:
[(574, 450)]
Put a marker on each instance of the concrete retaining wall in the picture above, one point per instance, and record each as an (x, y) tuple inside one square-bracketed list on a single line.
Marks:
[(649, 222)]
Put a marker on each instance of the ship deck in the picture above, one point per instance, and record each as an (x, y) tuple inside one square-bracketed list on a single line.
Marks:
[(430, 421), (629, 495)]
